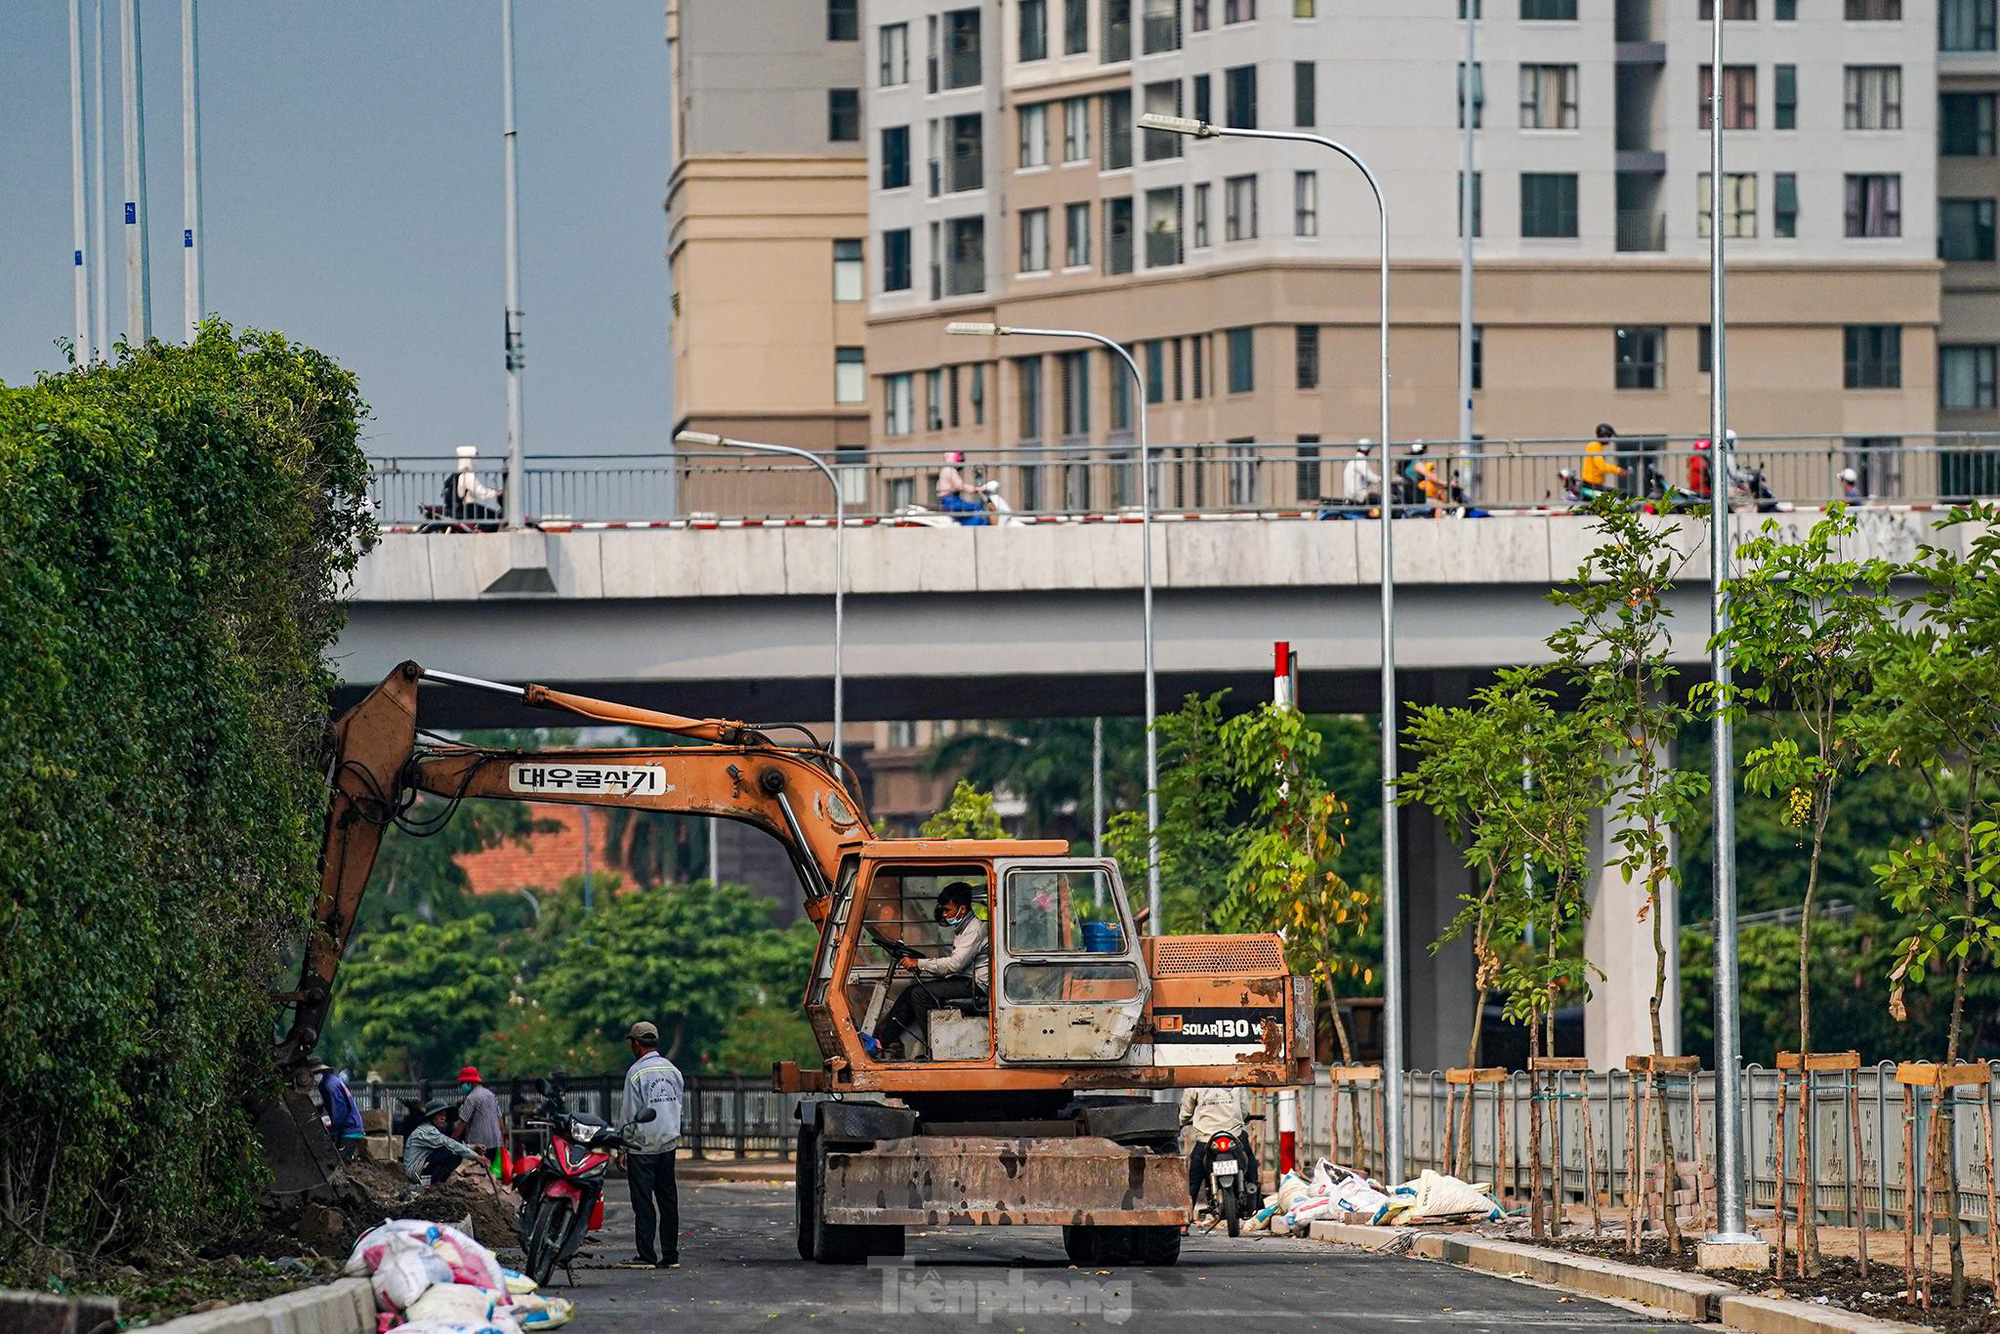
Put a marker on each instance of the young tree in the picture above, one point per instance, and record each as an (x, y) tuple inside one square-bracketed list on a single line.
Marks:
[(1614, 651), (1799, 618), (1046, 763), (1198, 830), (969, 814)]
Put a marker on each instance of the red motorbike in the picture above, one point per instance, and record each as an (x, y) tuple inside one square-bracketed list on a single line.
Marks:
[(562, 1190)]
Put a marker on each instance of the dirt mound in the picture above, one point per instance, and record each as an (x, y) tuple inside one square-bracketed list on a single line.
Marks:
[(495, 1210)]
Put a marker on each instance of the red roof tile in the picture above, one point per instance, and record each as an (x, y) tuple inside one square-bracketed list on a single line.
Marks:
[(542, 861)]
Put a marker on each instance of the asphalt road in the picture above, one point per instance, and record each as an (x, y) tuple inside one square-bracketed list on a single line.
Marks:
[(740, 1270)]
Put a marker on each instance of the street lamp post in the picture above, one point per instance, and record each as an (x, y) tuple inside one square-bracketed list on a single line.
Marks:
[(704, 439), (1392, 892), (1153, 919)]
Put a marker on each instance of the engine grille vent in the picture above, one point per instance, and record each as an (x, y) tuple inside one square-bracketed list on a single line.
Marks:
[(1175, 956)]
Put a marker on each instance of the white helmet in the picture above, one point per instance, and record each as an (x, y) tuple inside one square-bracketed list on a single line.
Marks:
[(1730, 437), (467, 451), (1417, 448), (1849, 475)]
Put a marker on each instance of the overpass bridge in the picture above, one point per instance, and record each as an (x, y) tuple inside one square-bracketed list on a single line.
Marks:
[(1038, 620)]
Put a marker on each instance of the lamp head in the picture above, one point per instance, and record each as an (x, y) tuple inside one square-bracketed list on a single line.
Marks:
[(1200, 129), (974, 329), (703, 438)]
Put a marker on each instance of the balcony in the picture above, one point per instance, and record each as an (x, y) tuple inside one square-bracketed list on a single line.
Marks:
[(961, 68), (1641, 229), (968, 170), (1163, 249), (1162, 32), (1118, 253), (965, 276)]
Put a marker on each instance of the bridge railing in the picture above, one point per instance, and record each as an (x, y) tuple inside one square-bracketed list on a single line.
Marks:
[(1244, 478)]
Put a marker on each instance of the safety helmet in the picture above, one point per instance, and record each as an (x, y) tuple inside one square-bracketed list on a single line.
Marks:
[(954, 456), (1701, 444), (1849, 475), (1605, 431), (1417, 448)]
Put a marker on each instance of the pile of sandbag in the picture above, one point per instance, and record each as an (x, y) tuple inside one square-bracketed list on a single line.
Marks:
[(1437, 1198), (1349, 1196), (430, 1278)]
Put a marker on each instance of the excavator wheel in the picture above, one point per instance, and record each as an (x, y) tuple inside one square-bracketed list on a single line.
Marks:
[(805, 1166), (842, 1243)]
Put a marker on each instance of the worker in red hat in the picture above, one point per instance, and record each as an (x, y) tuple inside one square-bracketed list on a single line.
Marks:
[(479, 1121)]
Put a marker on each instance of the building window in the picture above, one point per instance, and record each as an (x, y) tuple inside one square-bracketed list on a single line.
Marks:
[(1202, 105), (934, 400), (1034, 28), (1305, 93), (1121, 390), (850, 380), (978, 394), (961, 50), (1162, 99), (848, 282), (1739, 96), (1874, 356), (1239, 208), (843, 20), (1305, 471), (1739, 204), (1239, 97), (1175, 344), (1965, 124), (1305, 355), (1198, 362), (1074, 368), (1076, 236), (1118, 130), (895, 157), (1200, 237), (1966, 377), (1965, 230), (1034, 240), (1874, 10), (1478, 95), (1965, 25), (1875, 205), (892, 45), (1034, 135), (1160, 26), (1242, 361), (1117, 18), (1478, 356), (1305, 9), (1705, 348), (1118, 235), (1548, 203), (896, 260), (1642, 357), (843, 115), (1742, 10), (1785, 97), (1028, 379), (1478, 204), (1785, 11), (1785, 204), (1163, 227), (1076, 129), (1198, 16), (1305, 203), (967, 135), (1548, 10), (966, 260), (1874, 97), (1548, 97), (896, 413), (1239, 11), (1156, 371), (1076, 27)]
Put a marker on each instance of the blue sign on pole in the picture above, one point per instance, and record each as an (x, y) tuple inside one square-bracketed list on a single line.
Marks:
[(131, 213), (79, 259), (187, 238)]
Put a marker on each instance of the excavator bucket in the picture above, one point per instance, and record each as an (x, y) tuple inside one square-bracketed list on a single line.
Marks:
[(297, 1149)]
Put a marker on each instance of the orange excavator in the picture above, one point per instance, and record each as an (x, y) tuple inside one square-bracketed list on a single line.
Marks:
[(1030, 1104)]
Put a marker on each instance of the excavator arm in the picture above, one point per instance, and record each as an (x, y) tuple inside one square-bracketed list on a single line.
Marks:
[(379, 769)]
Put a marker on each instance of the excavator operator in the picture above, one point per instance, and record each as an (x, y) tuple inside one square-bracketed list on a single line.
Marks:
[(961, 974)]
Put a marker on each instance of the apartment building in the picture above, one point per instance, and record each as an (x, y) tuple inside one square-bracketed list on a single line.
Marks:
[(1968, 184), (767, 211), (1008, 183)]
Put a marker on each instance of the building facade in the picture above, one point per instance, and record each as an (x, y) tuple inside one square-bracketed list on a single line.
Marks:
[(1968, 185), (1007, 182)]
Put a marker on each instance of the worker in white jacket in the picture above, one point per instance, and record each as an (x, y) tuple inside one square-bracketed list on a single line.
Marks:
[(1211, 1112), (465, 496), (1360, 484), (960, 974)]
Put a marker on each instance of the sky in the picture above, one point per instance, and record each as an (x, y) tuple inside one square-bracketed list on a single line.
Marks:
[(351, 196)]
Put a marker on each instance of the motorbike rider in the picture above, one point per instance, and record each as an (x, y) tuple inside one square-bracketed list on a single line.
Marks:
[(1212, 1112), (1598, 470), (1699, 470), (958, 497), (468, 498), (430, 1155), (1360, 485), (1850, 487), (962, 973)]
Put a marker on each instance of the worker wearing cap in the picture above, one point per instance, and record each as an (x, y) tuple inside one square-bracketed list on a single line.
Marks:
[(1598, 470), (652, 1082), (465, 496), (479, 1121), (430, 1155), (343, 1117)]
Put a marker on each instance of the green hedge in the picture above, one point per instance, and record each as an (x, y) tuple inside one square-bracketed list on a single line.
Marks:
[(175, 532)]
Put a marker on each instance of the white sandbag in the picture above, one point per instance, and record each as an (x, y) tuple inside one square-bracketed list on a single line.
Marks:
[(1434, 1197), (457, 1327), (458, 1303), (405, 1269), (546, 1313)]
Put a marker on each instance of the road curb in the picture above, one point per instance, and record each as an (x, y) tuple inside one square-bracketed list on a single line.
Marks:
[(344, 1306), (1686, 1296)]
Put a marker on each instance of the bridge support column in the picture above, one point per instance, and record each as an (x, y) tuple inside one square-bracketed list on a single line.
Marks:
[(1439, 990), (1617, 1021)]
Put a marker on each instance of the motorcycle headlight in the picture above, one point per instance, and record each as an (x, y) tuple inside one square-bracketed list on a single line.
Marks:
[(584, 1134)]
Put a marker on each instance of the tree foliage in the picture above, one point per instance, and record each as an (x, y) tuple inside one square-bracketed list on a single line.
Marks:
[(178, 528), (1046, 764), (420, 995), (968, 814)]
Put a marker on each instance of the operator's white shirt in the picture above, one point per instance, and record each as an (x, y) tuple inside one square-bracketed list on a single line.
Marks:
[(1211, 1111)]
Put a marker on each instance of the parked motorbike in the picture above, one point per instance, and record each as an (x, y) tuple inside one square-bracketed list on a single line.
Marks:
[(562, 1189), (1229, 1194)]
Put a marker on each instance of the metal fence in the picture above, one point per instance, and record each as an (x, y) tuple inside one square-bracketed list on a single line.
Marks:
[(1841, 1186), (722, 1116), (1080, 480)]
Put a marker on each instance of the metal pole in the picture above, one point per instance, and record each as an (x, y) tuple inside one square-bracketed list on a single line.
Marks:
[(191, 237), (1731, 1219), (585, 813), (1117, 349), (1466, 220), (1097, 787), (515, 353), (138, 254), (703, 439), (1392, 892), (78, 208), (100, 338)]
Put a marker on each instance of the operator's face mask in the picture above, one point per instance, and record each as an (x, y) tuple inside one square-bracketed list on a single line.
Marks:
[(943, 918)]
